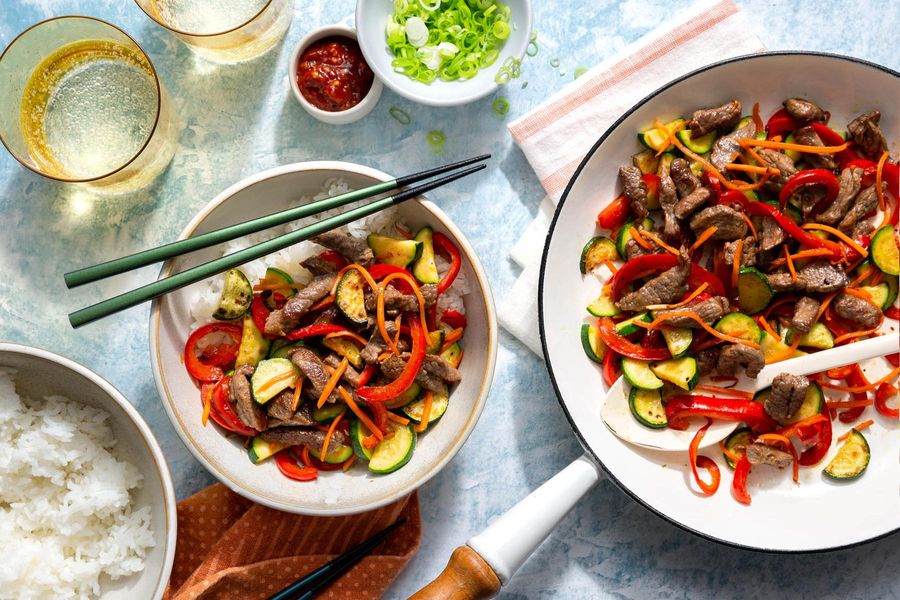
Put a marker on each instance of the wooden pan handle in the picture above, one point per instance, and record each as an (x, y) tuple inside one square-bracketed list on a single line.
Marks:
[(466, 577)]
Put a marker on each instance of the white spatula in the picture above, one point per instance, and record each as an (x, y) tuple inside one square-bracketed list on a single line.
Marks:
[(618, 418)]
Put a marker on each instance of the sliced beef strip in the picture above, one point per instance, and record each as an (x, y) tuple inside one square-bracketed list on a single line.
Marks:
[(857, 310), (327, 316), (822, 277), (761, 454), (279, 407), (248, 410), (734, 356), (692, 203), (867, 134), (807, 136), (280, 414), (765, 258), (710, 310), (851, 180), (707, 360), (354, 250), (864, 204), (809, 197), (301, 436), (312, 367), (805, 312), (730, 225), (803, 110), (788, 392), (434, 375), (635, 190), (376, 344), (667, 287), (715, 119), (668, 197), (350, 374), (684, 179), (782, 162), (748, 252), (395, 300), (863, 227), (783, 282), (318, 266), (771, 234), (633, 250), (286, 318), (726, 148)]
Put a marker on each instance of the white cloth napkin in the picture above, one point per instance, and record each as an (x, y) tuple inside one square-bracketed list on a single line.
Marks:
[(556, 135)]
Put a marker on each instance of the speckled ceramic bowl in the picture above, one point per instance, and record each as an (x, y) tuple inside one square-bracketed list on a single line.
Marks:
[(333, 493)]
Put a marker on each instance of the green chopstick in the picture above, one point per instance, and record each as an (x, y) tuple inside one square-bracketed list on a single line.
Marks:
[(225, 234), (220, 265)]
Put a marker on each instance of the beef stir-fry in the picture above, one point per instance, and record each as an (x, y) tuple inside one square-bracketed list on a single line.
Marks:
[(351, 366), (738, 243)]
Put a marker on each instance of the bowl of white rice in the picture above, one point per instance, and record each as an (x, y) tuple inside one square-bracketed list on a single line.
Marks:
[(174, 316), (87, 507)]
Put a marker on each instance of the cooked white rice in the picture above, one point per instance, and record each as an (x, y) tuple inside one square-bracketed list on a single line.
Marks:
[(66, 515), (206, 294)]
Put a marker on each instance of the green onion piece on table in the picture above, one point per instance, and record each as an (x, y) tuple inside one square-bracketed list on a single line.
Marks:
[(500, 105), (580, 71), (436, 140), (554, 62), (400, 115), (532, 48)]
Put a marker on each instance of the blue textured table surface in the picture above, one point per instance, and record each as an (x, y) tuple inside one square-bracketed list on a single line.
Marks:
[(242, 119)]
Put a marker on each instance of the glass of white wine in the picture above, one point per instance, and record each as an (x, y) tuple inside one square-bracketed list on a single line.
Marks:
[(223, 31), (80, 102)]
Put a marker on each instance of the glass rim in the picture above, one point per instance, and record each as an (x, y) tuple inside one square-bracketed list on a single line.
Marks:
[(159, 94), (204, 35)]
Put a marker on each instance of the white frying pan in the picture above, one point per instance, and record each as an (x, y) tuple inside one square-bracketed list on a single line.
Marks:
[(783, 517)]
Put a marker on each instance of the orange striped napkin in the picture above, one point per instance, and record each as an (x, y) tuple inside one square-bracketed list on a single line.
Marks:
[(556, 135), (229, 547)]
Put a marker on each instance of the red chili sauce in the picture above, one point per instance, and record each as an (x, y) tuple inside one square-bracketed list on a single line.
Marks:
[(332, 74)]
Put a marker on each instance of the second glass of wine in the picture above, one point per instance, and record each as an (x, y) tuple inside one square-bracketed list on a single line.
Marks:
[(223, 31)]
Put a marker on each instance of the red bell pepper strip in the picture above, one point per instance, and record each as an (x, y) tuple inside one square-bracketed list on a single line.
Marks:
[(894, 359), (334, 258), (652, 183), (855, 378), (654, 263), (379, 271), (314, 330), (408, 375), (620, 345), (703, 462), (807, 177), (447, 248), (207, 368), (885, 393), (611, 367), (454, 319), (712, 183), (616, 214), (830, 137), (379, 415), (260, 313), (222, 413), (892, 313), (729, 197), (287, 464), (814, 431), (739, 483), (681, 408), (791, 228), (781, 123), (365, 375)]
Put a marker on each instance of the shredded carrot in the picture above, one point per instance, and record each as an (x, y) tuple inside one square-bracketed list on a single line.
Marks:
[(362, 271), (712, 169), (790, 264), (380, 305), (277, 380), (695, 317), (825, 304), (397, 322), (684, 302), (752, 169), (855, 334), (348, 334), (757, 120), (774, 437), (671, 134), (840, 234), (403, 231), (397, 418), (797, 147), (660, 243), (332, 382), (878, 175), (370, 442), (701, 239), (723, 390), (295, 401), (736, 262), (383, 357), (767, 327), (890, 208), (330, 432), (454, 336), (348, 463), (838, 404), (878, 277), (207, 407), (324, 302), (786, 353), (734, 456), (776, 304), (861, 388), (639, 239), (861, 294), (426, 412), (609, 265), (753, 153), (860, 427), (750, 225), (360, 414)]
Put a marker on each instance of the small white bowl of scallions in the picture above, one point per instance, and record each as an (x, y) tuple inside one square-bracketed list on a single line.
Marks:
[(444, 52)]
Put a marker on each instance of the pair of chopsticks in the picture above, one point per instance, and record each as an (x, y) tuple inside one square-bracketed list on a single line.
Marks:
[(308, 586), (218, 236)]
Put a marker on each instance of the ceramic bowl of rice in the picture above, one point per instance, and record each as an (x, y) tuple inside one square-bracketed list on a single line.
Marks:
[(174, 316), (87, 507)]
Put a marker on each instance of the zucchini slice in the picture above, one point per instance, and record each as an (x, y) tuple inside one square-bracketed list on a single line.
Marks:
[(347, 349), (639, 375), (754, 291), (453, 355), (740, 326), (358, 433), (625, 234), (700, 145), (237, 294), (678, 340), (647, 408), (350, 297), (736, 441), (774, 347), (893, 283), (327, 413), (592, 344), (603, 306), (284, 349), (439, 403), (434, 341), (880, 294), (627, 327), (272, 376), (394, 450), (680, 371), (392, 251), (885, 253), (336, 456), (259, 449), (646, 161), (425, 269), (655, 137), (817, 337), (411, 393), (254, 346), (813, 403), (595, 252), (851, 460)]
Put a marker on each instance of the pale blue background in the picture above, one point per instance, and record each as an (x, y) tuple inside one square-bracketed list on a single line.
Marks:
[(241, 119)]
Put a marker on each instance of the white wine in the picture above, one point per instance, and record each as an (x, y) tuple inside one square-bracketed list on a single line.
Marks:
[(89, 108), (206, 17)]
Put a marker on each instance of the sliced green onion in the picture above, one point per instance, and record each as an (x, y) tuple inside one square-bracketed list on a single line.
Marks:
[(436, 140), (500, 105), (532, 48), (400, 115), (580, 71), (554, 62), (524, 84)]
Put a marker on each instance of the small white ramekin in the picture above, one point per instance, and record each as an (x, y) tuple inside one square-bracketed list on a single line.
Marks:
[(342, 117)]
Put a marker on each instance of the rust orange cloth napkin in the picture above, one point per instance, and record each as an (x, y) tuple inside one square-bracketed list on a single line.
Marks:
[(229, 547)]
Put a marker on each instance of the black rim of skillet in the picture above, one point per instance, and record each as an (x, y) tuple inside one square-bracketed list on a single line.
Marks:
[(549, 364)]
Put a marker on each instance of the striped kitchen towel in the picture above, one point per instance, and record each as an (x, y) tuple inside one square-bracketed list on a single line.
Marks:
[(556, 135)]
